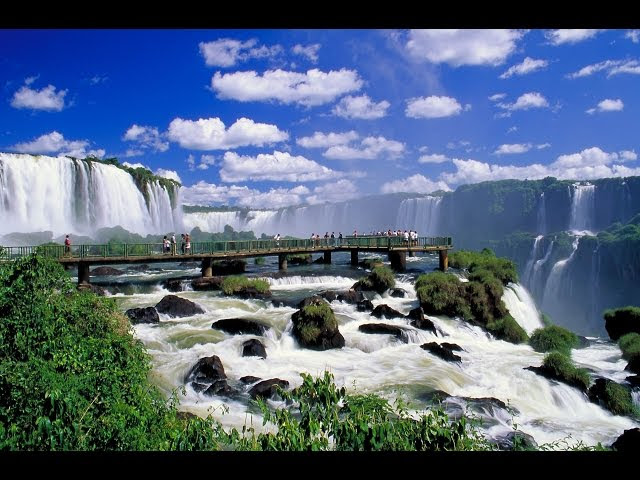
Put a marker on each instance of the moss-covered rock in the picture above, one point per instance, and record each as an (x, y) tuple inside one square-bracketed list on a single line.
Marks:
[(507, 329), (315, 326), (630, 345), (559, 367), (371, 263), (228, 267), (245, 287), (554, 338), (614, 397), (299, 259), (621, 321), (379, 280), (442, 294)]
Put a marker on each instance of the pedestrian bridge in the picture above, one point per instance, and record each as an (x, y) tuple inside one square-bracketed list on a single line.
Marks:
[(83, 256)]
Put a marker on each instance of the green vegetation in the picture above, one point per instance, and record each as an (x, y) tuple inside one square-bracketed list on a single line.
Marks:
[(630, 346), (237, 284), (299, 258), (71, 375), (314, 319), (327, 418), (554, 338), (480, 299), (370, 263), (259, 260), (380, 280), (561, 367), (617, 399)]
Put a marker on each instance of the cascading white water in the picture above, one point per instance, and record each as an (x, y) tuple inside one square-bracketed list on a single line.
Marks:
[(582, 208), (552, 288), (542, 215), (39, 193), (420, 214), (532, 258), (534, 283), (522, 307)]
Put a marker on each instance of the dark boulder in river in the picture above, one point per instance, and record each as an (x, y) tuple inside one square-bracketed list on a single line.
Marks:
[(253, 348), (240, 326), (267, 388), (315, 326), (143, 315), (106, 271), (175, 306)]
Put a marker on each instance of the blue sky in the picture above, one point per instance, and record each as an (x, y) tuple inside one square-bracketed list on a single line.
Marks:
[(271, 118)]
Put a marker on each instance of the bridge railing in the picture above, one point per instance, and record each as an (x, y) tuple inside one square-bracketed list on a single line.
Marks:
[(203, 248)]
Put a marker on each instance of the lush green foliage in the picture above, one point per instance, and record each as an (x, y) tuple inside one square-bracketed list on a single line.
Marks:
[(299, 258), (370, 263), (71, 375), (325, 417), (564, 369), (630, 345), (237, 283), (617, 399), (380, 279), (479, 300), (553, 338), (314, 319)]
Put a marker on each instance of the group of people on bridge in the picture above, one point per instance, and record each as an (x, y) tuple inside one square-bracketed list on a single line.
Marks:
[(170, 246)]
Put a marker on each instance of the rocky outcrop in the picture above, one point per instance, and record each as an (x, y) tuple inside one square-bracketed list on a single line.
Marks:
[(106, 271), (253, 348), (252, 292), (228, 267), (611, 395), (173, 285), (98, 290), (138, 268), (315, 326), (315, 300), (175, 306), (621, 321), (516, 440), (364, 305), (267, 388), (441, 351), (208, 376), (398, 292), (551, 374), (143, 315), (382, 328), (418, 320), (634, 364), (386, 311), (206, 283), (242, 326), (628, 442), (249, 379), (634, 381)]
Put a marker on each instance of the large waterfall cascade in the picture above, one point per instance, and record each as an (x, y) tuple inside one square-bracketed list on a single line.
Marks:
[(40, 193), (582, 208), (552, 288), (420, 214)]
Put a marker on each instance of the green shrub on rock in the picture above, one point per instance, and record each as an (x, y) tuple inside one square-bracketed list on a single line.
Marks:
[(554, 338), (380, 280), (506, 328), (238, 284), (630, 345), (561, 368)]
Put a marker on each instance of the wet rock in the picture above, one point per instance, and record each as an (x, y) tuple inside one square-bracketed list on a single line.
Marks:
[(175, 306), (242, 326), (634, 364), (98, 290), (316, 328), (452, 346), (173, 285), (382, 328), (222, 389), (516, 440), (252, 292), (206, 370), (143, 315), (365, 306), (311, 301), (441, 351), (106, 271), (386, 311), (398, 293), (248, 379), (350, 296), (634, 381), (611, 395), (253, 348), (138, 268), (228, 267), (628, 442), (418, 320), (550, 373), (206, 283), (267, 388)]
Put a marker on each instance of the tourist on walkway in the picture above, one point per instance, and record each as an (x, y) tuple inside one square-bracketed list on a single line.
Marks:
[(67, 246), (182, 243), (173, 244), (188, 245)]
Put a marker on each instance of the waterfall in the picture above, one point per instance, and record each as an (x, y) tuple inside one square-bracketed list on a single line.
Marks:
[(582, 208), (522, 307), (532, 258), (542, 216), (64, 195), (552, 288), (535, 280), (420, 214)]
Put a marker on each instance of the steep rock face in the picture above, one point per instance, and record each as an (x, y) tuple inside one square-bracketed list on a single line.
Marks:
[(315, 326)]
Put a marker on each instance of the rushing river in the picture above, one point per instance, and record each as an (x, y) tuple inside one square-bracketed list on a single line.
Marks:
[(381, 364)]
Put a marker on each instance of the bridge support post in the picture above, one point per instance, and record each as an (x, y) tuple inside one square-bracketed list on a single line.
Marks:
[(412, 253), (207, 267), (327, 256), (83, 275), (282, 261), (354, 257), (398, 261), (444, 260)]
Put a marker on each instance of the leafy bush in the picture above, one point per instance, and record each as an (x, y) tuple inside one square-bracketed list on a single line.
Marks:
[(380, 279), (501, 268), (564, 370), (617, 399), (442, 294), (554, 338), (236, 284), (506, 328)]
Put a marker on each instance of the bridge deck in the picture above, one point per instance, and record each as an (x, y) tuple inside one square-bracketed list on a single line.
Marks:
[(152, 252)]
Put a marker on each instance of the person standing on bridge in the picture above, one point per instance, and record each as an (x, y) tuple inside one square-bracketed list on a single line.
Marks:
[(67, 246), (182, 242), (173, 244), (188, 245)]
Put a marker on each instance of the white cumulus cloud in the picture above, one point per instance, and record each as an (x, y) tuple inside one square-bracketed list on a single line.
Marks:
[(360, 107), (45, 99), (309, 89), (211, 133), (526, 101), (226, 52), (325, 140), (55, 142), (171, 174), (339, 191), (612, 67), (463, 47), (370, 148), (607, 105), (432, 107), (508, 148), (146, 137), (279, 166), (633, 35), (309, 51), (570, 35), (433, 158), (528, 65), (414, 184)]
